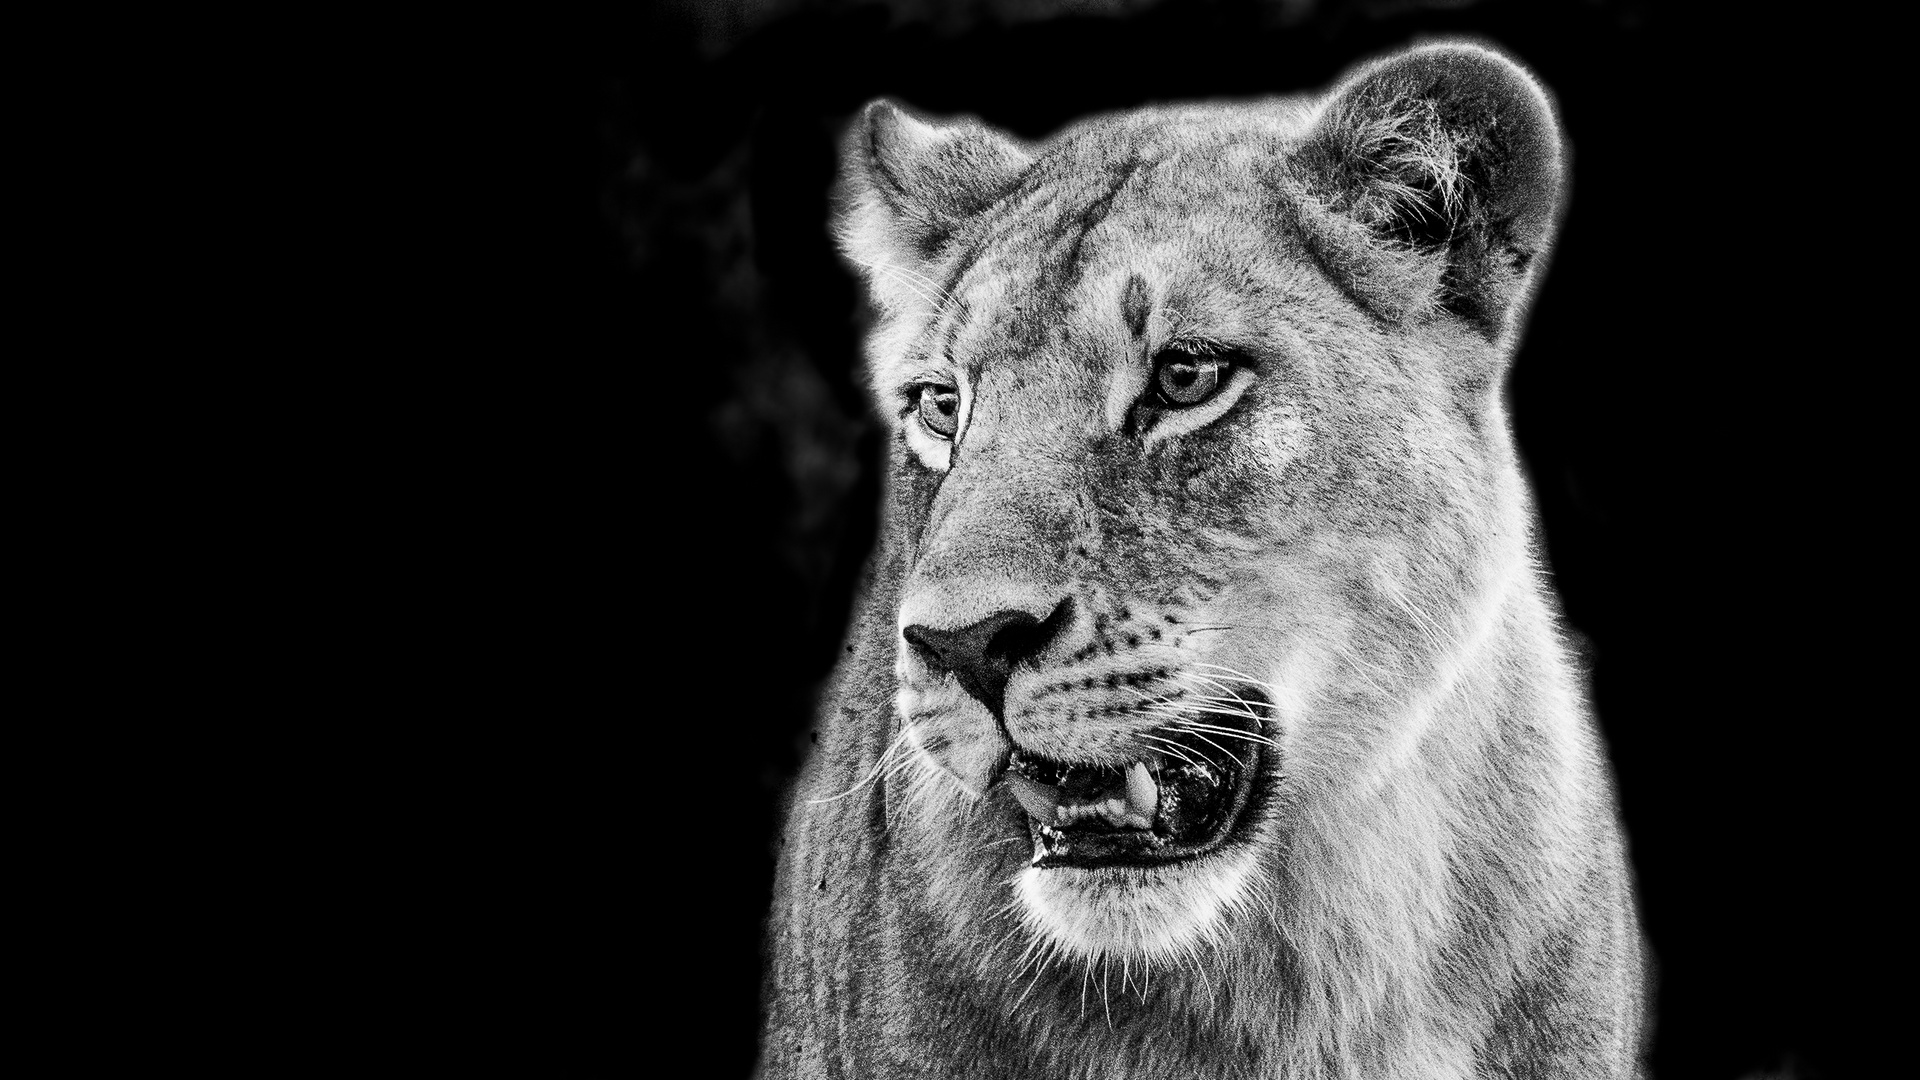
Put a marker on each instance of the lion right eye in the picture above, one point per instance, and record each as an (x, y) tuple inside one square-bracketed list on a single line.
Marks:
[(1184, 378), (939, 408)]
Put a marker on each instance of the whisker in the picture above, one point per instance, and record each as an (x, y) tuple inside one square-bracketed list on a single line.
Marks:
[(1228, 698), (1192, 677), (914, 283), (887, 763), (1229, 692), (1230, 626), (1181, 750), (1011, 907), (1237, 705), (1256, 721), (1230, 754), (1040, 968), (1186, 721), (1233, 733), (1224, 729), (1173, 748), (1191, 714), (1235, 672), (1215, 707), (922, 286)]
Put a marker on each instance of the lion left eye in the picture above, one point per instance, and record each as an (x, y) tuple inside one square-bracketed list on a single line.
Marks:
[(1184, 378), (939, 408)]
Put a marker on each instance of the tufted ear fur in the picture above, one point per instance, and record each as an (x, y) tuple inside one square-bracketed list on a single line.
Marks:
[(1433, 181), (907, 186)]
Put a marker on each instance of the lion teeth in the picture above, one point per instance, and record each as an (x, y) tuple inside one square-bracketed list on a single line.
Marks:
[(1143, 795), (1132, 805)]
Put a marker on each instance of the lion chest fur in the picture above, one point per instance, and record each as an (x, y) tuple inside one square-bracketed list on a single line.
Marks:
[(1199, 469)]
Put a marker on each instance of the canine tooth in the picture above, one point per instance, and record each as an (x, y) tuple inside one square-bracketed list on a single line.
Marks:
[(1143, 795)]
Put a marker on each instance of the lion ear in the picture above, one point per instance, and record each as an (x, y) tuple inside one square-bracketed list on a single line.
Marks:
[(907, 186), (1434, 180)]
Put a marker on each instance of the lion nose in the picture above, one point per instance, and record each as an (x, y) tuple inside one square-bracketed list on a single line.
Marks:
[(982, 656)]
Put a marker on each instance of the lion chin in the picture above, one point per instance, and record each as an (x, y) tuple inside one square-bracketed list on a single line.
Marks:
[(1131, 912)]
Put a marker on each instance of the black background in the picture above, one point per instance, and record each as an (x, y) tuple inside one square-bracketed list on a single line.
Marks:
[(628, 484)]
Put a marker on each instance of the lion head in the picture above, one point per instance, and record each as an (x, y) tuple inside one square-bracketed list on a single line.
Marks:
[(1200, 490)]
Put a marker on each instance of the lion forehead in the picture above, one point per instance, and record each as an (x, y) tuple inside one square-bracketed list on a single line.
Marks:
[(1116, 191)]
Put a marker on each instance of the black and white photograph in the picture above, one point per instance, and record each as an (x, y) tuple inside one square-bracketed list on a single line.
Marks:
[(1144, 538)]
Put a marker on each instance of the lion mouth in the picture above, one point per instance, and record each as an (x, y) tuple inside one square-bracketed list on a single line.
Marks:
[(1169, 805)]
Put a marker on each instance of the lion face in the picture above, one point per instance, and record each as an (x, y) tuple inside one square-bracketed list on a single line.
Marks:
[(1125, 589), (1082, 644), (1191, 517)]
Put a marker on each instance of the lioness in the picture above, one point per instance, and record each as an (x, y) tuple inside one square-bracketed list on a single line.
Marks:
[(1205, 713)]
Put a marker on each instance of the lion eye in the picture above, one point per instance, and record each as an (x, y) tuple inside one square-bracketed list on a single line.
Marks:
[(939, 409), (1183, 378)]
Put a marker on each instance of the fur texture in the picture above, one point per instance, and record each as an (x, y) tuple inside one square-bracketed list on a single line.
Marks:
[(1429, 881)]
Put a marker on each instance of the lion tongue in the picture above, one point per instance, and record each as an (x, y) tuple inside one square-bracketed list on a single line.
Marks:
[(1131, 804), (1036, 798)]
